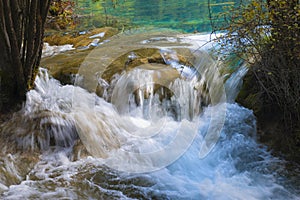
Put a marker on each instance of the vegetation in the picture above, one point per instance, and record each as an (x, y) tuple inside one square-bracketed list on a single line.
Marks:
[(61, 14), (21, 34), (266, 34), (22, 25)]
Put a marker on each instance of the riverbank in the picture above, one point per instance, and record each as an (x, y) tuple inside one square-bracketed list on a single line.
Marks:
[(270, 121)]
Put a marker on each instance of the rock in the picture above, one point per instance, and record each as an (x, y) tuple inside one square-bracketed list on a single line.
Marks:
[(37, 130), (79, 151), (136, 58), (94, 43), (144, 58), (99, 35), (64, 67), (98, 67), (15, 166), (79, 39), (54, 50)]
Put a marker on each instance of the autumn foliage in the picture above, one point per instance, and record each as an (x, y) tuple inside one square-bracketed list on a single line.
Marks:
[(61, 14), (266, 34)]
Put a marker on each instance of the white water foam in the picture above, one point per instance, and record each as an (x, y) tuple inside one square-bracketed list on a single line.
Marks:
[(237, 168), (131, 153)]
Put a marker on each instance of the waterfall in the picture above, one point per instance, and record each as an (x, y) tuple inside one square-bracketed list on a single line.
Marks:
[(234, 83), (149, 135)]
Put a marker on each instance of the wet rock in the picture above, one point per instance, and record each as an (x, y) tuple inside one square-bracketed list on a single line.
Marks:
[(38, 131), (79, 151), (99, 35), (14, 166), (146, 59), (135, 58), (54, 50), (64, 67), (99, 68), (79, 39)]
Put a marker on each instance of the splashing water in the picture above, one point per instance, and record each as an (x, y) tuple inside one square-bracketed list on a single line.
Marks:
[(148, 140)]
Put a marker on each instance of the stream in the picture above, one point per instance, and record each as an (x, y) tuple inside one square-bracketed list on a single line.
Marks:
[(149, 135), (151, 114)]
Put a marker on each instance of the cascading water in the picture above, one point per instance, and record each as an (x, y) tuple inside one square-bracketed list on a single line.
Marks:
[(151, 138)]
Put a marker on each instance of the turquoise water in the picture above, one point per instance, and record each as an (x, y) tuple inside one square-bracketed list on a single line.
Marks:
[(184, 15)]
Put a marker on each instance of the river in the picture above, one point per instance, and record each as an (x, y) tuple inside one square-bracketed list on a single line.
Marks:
[(161, 130), (184, 15)]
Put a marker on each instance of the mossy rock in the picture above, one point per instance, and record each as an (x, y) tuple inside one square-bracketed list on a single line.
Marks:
[(250, 96), (64, 67), (146, 59), (78, 40), (142, 56)]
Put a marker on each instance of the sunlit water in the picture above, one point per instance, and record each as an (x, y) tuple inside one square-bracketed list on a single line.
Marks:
[(143, 144)]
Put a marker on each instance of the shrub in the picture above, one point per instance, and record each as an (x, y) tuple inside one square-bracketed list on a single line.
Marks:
[(266, 34)]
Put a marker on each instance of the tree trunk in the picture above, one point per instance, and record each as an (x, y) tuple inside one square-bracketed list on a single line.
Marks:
[(21, 34)]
